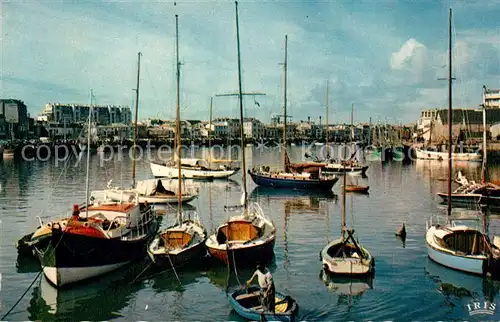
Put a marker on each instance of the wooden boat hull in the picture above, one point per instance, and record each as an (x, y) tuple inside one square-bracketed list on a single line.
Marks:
[(434, 155), (347, 266), (246, 256), (356, 188), (160, 170), (285, 310), (337, 168), (290, 183), (470, 198), (185, 257), (191, 233), (470, 264), (71, 258)]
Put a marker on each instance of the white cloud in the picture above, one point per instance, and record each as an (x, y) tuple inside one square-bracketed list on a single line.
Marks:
[(58, 52), (412, 57)]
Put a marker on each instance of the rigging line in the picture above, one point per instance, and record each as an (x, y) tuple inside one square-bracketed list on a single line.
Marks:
[(155, 94), (24, 293), (60, 175), (235, 269), (173, 268), (36, 277)]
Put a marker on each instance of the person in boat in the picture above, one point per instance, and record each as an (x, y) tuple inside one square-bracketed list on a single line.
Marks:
[(76, 213), (266, 284)]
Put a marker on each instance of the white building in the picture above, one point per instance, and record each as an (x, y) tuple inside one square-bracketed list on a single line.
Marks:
[(253, 128), (491, 98), (424, 123), (79, 113)]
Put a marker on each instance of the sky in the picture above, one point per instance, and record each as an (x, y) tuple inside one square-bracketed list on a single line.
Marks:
[(385, 57)]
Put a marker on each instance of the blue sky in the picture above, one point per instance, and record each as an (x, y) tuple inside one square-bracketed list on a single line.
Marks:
[(385, 56)]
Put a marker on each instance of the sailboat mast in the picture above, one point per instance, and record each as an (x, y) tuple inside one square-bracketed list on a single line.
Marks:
[(135, 118), (178, 120), (449, 116), (284, 104), (483, 170), (352, 123), (88, 162), (343, 202), (326, 141), (240, 96), (210, 134)]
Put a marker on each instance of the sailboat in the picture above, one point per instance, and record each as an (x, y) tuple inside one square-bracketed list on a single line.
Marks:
[(194, 168), (295, 176), (345, 256), (107, 237), (330, 165), (153, 191), (485, 193), (185, 240), (249, 237), (427, 153), (455, 244)]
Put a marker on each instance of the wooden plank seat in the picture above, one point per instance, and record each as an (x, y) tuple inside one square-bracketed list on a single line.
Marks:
[(248, 295)]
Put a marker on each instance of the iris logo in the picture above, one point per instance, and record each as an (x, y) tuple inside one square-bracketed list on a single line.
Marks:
[(485, 307)]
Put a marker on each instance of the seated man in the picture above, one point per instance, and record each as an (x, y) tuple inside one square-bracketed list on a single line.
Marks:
[(266, 285)]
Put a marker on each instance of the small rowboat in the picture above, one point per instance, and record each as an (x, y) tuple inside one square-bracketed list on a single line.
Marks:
[(246, 302), (356, 188)]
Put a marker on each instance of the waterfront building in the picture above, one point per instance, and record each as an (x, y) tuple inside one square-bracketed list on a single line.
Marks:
[(466, 124), (78, 113), (13, 119), (491, 98), (253, 128)]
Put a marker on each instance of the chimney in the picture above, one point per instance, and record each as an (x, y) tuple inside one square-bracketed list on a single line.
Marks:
[(320, 120), (309, 119)]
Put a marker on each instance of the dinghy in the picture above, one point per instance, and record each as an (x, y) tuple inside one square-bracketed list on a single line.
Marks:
[(247, 303), (345, 256), (356, 188)]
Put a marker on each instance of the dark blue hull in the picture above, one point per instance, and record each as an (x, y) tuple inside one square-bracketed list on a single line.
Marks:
[(248, 307), (285, 183)]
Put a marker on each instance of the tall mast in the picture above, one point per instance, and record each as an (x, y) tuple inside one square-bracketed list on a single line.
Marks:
[(88, 162), (326, 144), (483, 170), (352, 123), (135, 117), (449, 116), (240, 96), (284, 104), (343, 203), (178, 121), (210, 134)]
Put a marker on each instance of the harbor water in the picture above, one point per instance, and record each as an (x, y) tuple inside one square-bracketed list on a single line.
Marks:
[(406, 285)]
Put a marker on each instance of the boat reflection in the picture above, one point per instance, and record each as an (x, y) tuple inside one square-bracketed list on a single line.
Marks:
[(438, 170), (349, 289), (82, 302), (298, 201), (455, 284), (26, 263)]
